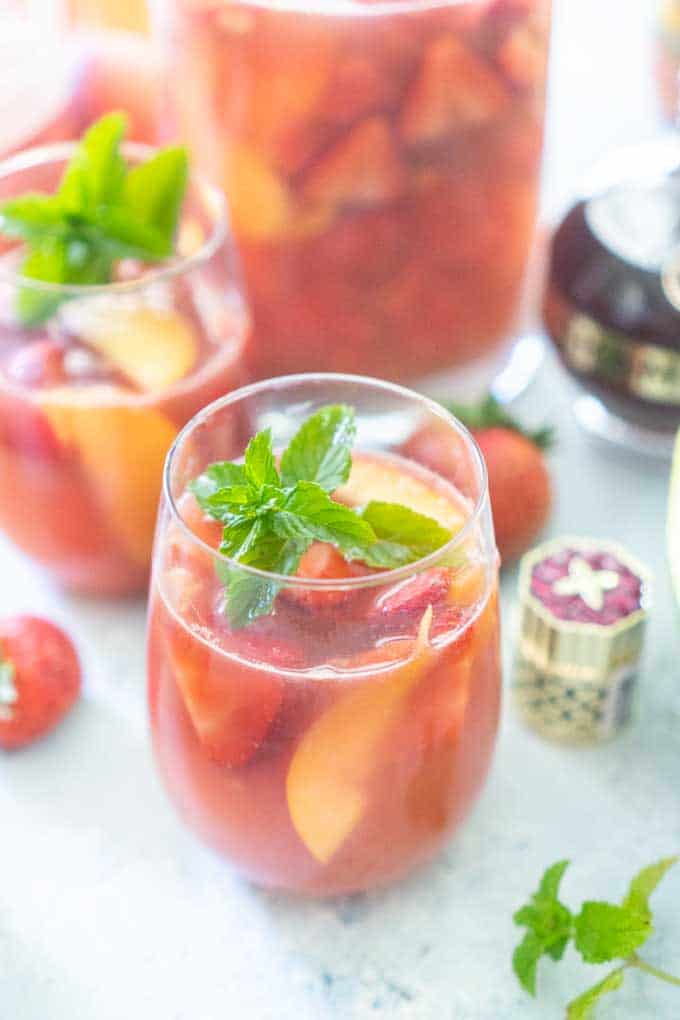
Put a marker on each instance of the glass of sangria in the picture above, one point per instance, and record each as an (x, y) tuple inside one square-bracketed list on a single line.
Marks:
[(381, 161), (332, 737), (94, 390)]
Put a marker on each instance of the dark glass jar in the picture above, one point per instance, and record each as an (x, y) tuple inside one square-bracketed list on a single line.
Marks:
[(612, 301)]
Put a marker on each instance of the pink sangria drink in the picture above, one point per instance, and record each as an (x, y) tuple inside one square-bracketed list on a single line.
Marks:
[(327, 727), (381, 162), (96, 381)]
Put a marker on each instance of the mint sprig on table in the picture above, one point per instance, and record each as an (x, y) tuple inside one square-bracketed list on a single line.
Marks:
[(272, 513), (601, 932), (102, 211)]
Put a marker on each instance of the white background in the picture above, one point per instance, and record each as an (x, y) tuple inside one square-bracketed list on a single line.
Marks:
[(109, 909)]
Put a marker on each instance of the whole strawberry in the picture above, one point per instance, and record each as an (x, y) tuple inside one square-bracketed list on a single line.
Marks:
[(519, 482), (39, 679)]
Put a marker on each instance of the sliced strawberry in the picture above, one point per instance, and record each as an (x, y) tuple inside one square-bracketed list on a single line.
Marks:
[(417, 593), (364, 168), (39, 679), (323, 562), (455, 90), (231, 705)]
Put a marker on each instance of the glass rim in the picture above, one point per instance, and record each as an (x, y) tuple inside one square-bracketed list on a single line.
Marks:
[(331, 584), (355, 8), (167, 269)]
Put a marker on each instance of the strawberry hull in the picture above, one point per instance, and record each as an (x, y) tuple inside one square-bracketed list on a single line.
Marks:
[(335, 744), (398, 157)]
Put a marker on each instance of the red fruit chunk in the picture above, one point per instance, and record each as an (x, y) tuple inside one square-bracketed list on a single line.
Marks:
[(519, 487), (231, 705), (417, 593), (323, 562), (39, 679), (25, 430), (358, 87), (40, 363), (455, 90), (364, 168)]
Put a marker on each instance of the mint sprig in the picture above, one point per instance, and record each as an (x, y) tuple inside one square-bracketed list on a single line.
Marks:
[(272, 514), (601, 932), (102, 211)]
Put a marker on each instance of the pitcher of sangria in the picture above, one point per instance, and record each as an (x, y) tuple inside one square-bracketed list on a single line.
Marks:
[(381, 162)]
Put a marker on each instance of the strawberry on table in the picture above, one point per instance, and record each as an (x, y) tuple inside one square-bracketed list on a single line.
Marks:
[(519, 482), (39, 679)]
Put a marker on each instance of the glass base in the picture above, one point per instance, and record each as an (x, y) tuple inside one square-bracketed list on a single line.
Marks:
[(506, 373), (595, 418)]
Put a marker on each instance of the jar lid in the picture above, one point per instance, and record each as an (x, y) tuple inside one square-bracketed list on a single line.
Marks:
[(584, 604)]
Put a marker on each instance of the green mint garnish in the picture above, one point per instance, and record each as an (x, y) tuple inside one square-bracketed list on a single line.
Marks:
[(102, 211), (601, 932), (271, 515), (8, 692), (489, 414)]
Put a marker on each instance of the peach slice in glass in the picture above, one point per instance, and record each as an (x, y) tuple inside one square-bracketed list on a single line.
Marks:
[(153, 348), (373, 478), (328, 777), (122, 449)]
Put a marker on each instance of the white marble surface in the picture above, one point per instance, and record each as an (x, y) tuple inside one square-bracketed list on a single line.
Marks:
[(110, 909)]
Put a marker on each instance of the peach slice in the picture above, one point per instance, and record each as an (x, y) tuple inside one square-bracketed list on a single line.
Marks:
[(376, 478), (153, 348), (260, 204), (328, 777), (454, 90), (364, 168), (122, 449)]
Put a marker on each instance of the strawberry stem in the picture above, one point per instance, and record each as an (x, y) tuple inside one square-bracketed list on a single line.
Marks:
[(489, 413)]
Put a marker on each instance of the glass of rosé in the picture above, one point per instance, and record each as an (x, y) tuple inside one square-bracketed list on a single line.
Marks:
[(96, 380), (381, 161), (335, 735)]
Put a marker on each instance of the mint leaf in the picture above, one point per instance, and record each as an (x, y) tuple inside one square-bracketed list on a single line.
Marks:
[(259, 464), (604, 931), (102, 212), (32, 216), (221, 475), (57, 260), (644, 884), (309, 513), (583, 1008), (249, 596), (321, 449), (96, 173), (154, 191), (403, 535), (550, 926)]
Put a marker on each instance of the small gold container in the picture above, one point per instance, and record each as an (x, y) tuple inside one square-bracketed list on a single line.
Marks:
[(583, 606)]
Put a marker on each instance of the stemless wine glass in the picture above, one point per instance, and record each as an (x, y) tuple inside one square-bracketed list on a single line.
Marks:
[(381, 161), (337, 742), (96, 381)]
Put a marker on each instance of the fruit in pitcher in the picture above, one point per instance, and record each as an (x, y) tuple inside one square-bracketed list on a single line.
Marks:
[(328, 777), (455, 90), (260, 204), (364, 168), (39, 679)]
